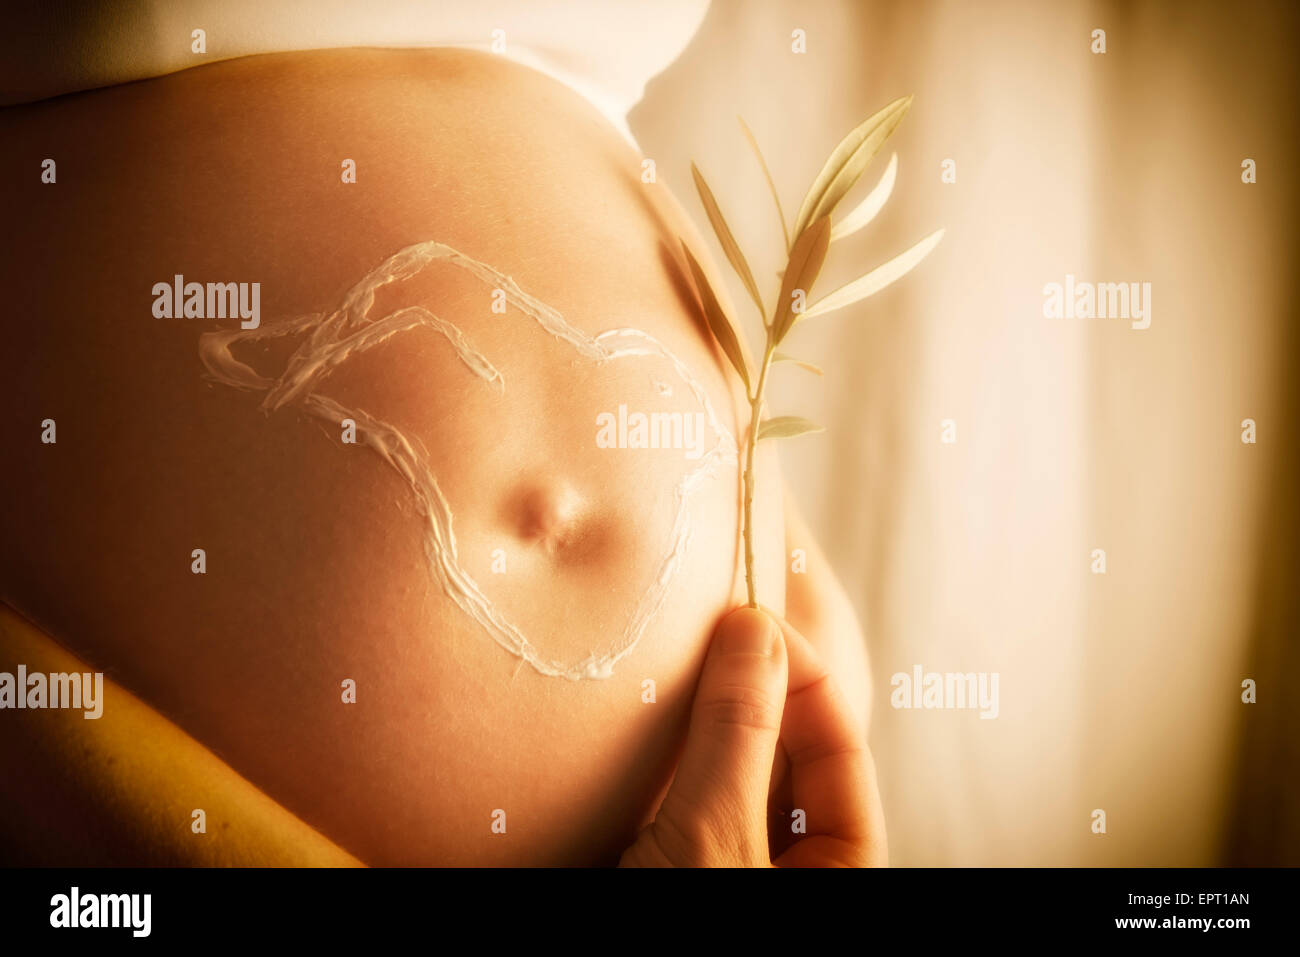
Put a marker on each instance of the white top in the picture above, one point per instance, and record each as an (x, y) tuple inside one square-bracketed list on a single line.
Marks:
[(606, 50)]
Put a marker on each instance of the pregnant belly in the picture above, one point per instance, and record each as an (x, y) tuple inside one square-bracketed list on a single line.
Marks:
[(427, 542)]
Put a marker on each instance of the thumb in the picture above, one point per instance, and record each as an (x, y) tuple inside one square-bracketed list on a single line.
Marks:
[(715, 812)]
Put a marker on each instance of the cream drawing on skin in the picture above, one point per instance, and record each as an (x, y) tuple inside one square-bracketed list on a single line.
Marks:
[(331, 338)]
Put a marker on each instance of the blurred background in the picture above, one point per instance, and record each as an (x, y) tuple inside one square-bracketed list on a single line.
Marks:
[(1119, 691)]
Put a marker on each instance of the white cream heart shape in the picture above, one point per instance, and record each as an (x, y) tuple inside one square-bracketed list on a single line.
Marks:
[(332, 337)]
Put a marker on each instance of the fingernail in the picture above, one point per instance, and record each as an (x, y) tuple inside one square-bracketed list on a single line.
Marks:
[(748, 632)]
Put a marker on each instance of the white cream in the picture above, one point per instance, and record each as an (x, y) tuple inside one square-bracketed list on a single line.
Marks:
[(331, 338)]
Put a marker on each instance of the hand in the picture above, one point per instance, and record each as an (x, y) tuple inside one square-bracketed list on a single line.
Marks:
[(768, 725)]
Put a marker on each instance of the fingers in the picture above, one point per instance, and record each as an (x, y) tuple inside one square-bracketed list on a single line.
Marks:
[(764, 694), (715, 812), (832, 775)]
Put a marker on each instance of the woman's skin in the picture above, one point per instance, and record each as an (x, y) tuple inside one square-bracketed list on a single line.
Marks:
[(770, 732), (123, 788), (92, 793), (315, 565)]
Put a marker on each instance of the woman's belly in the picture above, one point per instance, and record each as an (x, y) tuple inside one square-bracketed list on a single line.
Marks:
[(519, 593)]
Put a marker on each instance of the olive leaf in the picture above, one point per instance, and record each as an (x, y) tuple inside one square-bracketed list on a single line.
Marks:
[(805, 263), (847, 163), (806, 251), (786, 426), (866, 210), (767, 174), (782, 357), (734, 255), (719, 325), (874, 281)]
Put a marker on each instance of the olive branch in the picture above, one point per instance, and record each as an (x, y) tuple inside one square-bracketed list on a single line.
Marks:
[(806, 251)]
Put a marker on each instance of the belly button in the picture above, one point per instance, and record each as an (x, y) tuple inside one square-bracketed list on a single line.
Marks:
[(550, 515)]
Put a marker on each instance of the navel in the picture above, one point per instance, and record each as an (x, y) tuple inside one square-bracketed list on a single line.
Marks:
[(550, 515)]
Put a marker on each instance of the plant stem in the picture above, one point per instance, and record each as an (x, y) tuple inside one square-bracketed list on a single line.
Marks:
[(755, 407)]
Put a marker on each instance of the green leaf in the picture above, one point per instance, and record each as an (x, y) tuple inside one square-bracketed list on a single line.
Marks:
[(734, 255), (876, 280), (866, 210), (800, 273), (786, 426), (847, 163), (782, 357), (776, 200), (719, 325)]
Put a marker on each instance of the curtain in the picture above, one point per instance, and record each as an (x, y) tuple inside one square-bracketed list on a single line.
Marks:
[(1119, 691)]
